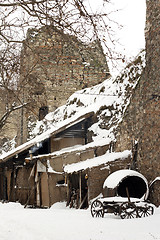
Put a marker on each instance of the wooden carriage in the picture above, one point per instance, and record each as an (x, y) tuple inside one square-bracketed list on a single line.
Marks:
[(125, 194)]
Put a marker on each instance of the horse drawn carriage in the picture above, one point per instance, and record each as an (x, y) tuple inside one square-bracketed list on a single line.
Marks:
[(125, 193)]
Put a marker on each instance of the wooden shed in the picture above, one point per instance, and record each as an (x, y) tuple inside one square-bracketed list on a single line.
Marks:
[(26, 174)]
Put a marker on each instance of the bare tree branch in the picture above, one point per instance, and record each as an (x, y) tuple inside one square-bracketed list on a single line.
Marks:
[(16, 17), (6, 115)]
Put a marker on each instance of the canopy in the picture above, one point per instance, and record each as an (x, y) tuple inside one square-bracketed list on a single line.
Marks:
[(121, 180)]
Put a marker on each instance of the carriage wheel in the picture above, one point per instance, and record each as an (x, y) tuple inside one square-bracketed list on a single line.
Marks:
[(115, 213), (128, 210), (145, 211), (97, 209)]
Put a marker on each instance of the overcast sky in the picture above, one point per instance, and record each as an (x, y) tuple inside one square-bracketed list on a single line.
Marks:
[(131, 15)]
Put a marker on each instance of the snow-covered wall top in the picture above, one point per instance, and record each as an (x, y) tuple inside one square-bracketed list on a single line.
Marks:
[(94, 162)]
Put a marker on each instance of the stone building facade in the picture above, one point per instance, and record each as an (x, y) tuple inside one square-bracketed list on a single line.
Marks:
[(140, 128), (53, 66)]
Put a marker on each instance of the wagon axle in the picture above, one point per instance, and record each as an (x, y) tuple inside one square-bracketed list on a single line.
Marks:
[(124, 209)]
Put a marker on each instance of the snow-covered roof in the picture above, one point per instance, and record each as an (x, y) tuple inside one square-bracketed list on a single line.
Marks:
[(93, 162), (40, 138), (72, 149), (115, 178), (107, 100)]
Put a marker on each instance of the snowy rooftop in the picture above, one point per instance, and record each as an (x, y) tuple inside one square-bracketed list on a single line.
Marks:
[(108, 100), (115, 178), (54, 130), (94, 162)]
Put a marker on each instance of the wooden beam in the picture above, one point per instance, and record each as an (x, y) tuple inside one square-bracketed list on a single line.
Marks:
[(80, 187), (80, 206)]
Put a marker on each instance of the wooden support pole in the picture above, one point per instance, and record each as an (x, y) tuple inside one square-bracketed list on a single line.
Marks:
[(37, 187), (49, 192), (8, 184), (84, 199), (38, 193), (14, 184), (128, 194), (80, 187), (4, 184), (68, 190)]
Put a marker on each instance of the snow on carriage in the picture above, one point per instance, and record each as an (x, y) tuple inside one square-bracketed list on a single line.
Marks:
[(125, 194)]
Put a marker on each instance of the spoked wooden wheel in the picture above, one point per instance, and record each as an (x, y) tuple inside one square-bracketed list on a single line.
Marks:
[(145, 211), (128, 210), (97, 209)]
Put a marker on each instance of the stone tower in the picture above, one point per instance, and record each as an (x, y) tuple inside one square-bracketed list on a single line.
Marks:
[(53, 66)]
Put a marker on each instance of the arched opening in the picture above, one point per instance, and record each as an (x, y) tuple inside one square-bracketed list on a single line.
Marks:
[(136, 187)]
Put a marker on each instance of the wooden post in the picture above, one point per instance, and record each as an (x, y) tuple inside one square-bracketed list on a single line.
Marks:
[(37, 187), (88, 186), (38, 192), (49, 192), (8, 184), (80, 187), (4, 184), (14, 184), (68, 190), (128, 194)]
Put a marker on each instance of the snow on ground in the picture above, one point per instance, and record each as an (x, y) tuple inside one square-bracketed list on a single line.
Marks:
[(61, 223)]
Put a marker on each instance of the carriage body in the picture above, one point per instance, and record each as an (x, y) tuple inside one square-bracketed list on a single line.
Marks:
[(125, 194)]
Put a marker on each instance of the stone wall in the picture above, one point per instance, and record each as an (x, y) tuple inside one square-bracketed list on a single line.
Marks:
[(54, 65), (154, 189), (97, 175), (142, 119), (151, 93)]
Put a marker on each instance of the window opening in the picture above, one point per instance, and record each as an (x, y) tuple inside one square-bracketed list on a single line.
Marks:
[(43, 111)]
